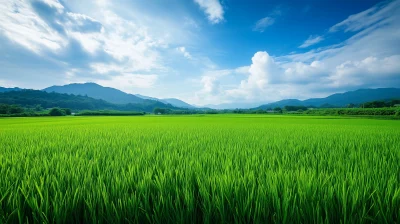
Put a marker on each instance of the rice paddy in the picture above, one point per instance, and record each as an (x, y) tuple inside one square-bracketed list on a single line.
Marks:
[(199, 169)]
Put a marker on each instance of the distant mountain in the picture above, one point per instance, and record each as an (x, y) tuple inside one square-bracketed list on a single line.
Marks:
[(178, 103), (232, 106), (31, 98), (96, 91), (146, 97), (340, 99), (173, 101), (113, 95), (2, 89)]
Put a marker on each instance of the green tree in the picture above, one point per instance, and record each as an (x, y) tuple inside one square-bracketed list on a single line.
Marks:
[(15, 109), (67, 111), (159, 111), (38, 107), (57, 112), (278, 110)]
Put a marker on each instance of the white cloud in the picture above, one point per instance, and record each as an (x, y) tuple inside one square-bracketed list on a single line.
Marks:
[(8, 84), (102, 68), (22, 25), (366, 71), (184, 52), (54, 4), (311, 41), (127, 42), (263, 23), (129, 82), (210, 85), (89, 41), (213, 9), (243, 70), (263, 72), (369, 17)]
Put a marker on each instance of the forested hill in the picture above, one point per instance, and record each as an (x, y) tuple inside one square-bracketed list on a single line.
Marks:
[(31, 98), (3, 89), (340, 99)]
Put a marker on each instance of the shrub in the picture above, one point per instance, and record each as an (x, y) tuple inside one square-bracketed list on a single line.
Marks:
[(57, 112)]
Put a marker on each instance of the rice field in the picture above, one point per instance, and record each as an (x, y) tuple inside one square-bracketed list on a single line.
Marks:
[(199, 169)]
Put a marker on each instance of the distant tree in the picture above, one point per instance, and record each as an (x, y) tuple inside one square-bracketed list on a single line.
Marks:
[(295, 108), (57, 112), (327, 105), (38, 107), (350, 105), (15, 109), (3, 108), (159, 111), (278, 110), (67, 111), (374, 104), (394, 102), (259, 111)]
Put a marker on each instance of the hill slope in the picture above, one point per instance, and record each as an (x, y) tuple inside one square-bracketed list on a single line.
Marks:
[(98, 92), (173, 101), (3, 89), (31, 98), (340, 99), (177, 103), (112, 95)]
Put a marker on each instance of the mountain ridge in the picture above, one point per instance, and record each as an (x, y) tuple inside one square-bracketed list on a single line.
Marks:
[(116, 96), (339, 99), (32, 98), (111, 95)]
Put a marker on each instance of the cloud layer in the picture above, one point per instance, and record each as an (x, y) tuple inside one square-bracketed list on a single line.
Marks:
[(369, 58), (138, 49), (311, 41), (263, 23), (213, 9)]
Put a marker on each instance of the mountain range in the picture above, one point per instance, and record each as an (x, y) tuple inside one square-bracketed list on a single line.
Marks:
[(111, 95), (2, 89), (117, 98), (356, 97)]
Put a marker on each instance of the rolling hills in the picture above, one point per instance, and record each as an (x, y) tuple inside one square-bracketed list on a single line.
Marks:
[(340, 99), (31, 98)]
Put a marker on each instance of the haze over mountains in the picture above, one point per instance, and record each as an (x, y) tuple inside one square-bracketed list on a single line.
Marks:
[(118, 99), (340, 99), (110, 94)]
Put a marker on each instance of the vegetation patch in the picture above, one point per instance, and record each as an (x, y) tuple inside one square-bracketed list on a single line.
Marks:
[(200, 169)]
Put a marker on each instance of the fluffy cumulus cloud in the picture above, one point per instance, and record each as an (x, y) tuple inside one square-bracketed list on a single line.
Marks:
[(370, 58), (213, 9), (368, 71)]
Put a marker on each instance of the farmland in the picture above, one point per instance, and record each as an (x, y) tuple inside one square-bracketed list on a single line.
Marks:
[(200, 169)]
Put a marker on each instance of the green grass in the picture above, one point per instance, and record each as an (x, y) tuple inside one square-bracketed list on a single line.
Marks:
[(199, 169)]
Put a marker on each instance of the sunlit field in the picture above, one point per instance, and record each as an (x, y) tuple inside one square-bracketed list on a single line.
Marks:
[(199, 169)]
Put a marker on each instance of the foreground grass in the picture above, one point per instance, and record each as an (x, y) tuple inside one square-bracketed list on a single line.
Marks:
[(211, 169)]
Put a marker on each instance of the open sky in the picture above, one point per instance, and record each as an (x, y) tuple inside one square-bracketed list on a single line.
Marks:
[(203, 51)]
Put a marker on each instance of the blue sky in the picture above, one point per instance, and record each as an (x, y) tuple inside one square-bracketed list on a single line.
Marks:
[(203, 51)]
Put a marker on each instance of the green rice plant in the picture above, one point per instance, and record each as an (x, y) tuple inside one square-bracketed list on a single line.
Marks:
[(199, 169)]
